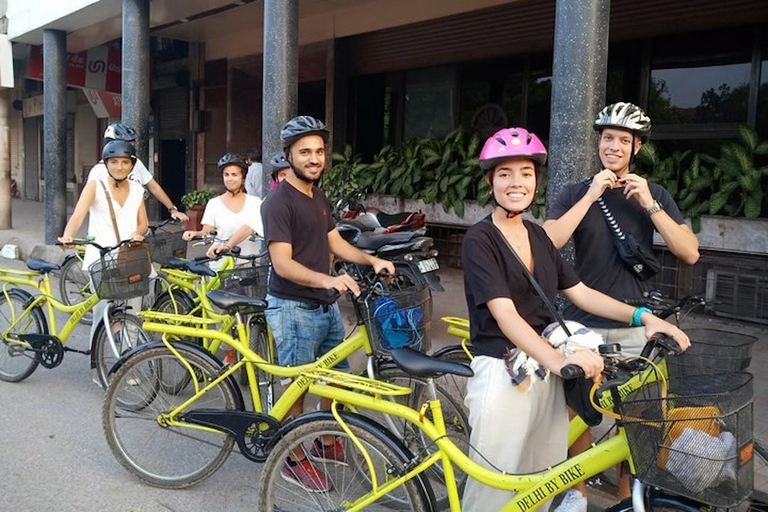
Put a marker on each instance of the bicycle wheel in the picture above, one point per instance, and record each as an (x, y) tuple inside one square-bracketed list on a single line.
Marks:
[(127, 333), (328, 485), (456, 424), (140, 435), (454, 386), (16, 363), (75, 286), (269, 384)]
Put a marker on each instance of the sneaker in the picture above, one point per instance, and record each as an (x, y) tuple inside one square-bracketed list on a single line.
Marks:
[(306, 475), (573, 501), (333, 454), (229, 357)]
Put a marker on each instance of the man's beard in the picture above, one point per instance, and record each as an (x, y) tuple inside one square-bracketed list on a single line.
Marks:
[(304, 176)]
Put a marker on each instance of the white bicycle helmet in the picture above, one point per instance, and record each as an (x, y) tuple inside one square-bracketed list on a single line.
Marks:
[(625, 116)]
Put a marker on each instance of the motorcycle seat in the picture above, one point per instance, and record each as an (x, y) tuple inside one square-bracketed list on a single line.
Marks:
[(373, 241)]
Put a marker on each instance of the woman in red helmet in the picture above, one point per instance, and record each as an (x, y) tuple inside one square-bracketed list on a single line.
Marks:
[(505, 314)]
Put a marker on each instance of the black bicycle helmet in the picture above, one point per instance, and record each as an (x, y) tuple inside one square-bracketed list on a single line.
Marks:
[(119, 131), (117, 149), (625, 116), (232, 159), (301, 126)]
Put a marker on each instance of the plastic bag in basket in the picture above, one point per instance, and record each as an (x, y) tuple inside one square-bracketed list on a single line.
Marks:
[(695, 450), (398, 327)]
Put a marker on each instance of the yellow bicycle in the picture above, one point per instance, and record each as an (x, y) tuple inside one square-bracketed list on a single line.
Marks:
[(378, 472), (176, 437), (29, 338)]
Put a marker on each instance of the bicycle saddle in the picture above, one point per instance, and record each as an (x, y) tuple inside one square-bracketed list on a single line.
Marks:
[(42, 266), (421, 365), (233, 302)]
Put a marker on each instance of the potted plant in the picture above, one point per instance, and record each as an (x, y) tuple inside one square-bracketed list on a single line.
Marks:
[(195, 202)]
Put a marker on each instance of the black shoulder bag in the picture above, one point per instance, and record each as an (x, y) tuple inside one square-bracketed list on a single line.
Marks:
[(576, 390), (639, 261)]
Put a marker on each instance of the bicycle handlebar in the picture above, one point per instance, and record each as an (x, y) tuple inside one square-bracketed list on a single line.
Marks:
[(102, 249), (152, 228), (659, 341)]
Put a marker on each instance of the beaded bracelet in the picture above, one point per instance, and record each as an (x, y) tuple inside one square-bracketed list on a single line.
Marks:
[(635, 322)]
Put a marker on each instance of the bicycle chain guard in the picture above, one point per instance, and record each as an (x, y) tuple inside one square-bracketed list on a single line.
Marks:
[(253, 431), (49, 350)]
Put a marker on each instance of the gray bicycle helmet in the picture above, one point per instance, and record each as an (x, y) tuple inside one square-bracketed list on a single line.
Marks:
[(232, 159), (119, 131), (279, 162), (625, 116), (118, 149), (301, 126)]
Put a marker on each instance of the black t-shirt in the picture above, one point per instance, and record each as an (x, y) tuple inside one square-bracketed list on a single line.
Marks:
[(304, 222), (597, 262), (491, 272)]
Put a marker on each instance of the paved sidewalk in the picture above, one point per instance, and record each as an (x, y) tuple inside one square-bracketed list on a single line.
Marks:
[(28, 235)]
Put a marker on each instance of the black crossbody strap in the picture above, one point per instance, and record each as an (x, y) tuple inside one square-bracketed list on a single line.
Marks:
[(532, 279), (611, 220)]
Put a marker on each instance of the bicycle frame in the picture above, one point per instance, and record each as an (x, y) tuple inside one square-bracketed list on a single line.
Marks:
[(154, 323), (532, 489), (46, 298)]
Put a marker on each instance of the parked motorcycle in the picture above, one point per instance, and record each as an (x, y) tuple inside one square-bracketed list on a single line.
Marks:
[(372, 219), (411, 252)]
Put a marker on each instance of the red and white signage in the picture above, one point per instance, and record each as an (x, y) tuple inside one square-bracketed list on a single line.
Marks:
[(98, 68), (104, 104)]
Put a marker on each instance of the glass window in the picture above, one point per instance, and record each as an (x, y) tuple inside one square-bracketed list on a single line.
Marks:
[(701, 78), (762, 98), (430, 99)]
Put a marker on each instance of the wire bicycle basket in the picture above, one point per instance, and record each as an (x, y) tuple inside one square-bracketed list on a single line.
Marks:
[(247, 280), (121, 275), (695, 441), (398, 318), (166, 245), (712, 351)]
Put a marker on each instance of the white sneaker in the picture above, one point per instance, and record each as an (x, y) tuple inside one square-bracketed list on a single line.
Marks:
[(573, 501)]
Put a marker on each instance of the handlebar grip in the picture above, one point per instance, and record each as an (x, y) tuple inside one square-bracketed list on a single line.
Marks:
[(571, 371), (665, 342), (636, 302), (333, 295)]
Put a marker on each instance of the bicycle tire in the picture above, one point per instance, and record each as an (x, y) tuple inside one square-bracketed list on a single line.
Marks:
[(16, 366), (662, 502), (128, 334), (259, 341), (169, 457), (350, 480), (75, 286), (456, 423)]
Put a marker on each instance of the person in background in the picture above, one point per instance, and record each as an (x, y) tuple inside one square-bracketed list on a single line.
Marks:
[(140, 174), (255, 175)]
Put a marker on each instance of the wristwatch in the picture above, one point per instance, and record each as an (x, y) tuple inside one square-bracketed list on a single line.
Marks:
[(657, 207), (173, 209)]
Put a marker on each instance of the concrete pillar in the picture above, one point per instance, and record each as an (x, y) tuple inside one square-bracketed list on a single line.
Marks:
[(281, 62), (135, 88), (579, 72), (55, 132), (6, 210)]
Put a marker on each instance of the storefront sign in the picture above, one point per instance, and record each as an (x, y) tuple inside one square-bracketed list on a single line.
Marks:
[(98, 68), (104, 104)]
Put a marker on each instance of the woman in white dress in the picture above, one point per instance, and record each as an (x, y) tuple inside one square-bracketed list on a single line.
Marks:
[(127, 199)]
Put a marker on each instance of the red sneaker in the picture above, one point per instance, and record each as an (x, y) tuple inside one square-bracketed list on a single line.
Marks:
[(307, 476), (333, 454)]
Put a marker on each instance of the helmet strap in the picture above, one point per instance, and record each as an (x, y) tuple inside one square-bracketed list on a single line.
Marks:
[(117, 181)]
